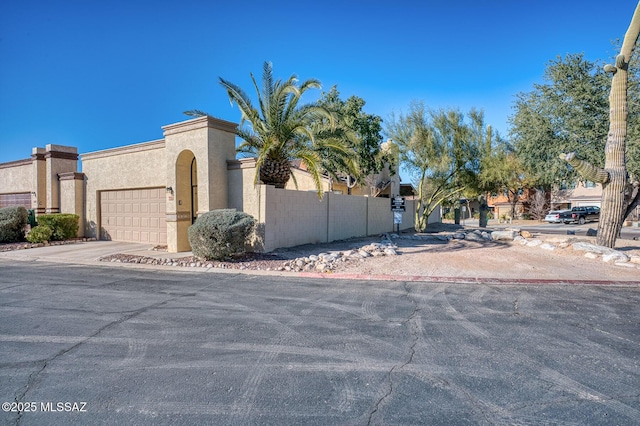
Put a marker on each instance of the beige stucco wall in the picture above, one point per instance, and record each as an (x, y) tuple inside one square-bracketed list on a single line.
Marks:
[(212, 142), (133, 166), (58, 159), (16, 176), (72, 197), (293, 217), (380, 217), (347, 216), (243, 194), (305, 182), (288, 218), (578, 196)]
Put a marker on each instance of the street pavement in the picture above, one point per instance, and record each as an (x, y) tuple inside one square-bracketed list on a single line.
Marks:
[(98, 344)]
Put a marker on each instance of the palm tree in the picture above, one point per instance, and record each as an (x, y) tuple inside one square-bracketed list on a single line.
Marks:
[(281, 129)]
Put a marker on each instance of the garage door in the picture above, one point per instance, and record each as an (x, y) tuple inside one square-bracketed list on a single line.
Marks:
[(135, 215), (17, 199)]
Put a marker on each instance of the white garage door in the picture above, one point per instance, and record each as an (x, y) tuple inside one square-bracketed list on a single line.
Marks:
[(135, 215)]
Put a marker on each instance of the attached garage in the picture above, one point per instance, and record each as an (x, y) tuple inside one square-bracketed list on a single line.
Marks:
[(134, 215), (17, 199)]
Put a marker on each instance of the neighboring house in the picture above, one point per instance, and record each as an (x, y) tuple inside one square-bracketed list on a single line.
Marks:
[(152, 192), (576, 195), (502, 206), (566, 196)]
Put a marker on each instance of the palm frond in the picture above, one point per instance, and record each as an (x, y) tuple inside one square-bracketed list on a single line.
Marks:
[(196, 113)]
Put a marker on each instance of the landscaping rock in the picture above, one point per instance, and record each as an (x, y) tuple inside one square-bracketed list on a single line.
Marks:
[(504, 235), (615, 256), (582, 246), (520, 240), (526, 234), (534, 243)]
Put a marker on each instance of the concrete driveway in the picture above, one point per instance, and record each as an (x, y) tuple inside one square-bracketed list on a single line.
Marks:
[(82, 253)]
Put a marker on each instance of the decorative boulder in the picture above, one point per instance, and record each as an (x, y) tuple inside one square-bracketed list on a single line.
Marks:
[(503, 235)]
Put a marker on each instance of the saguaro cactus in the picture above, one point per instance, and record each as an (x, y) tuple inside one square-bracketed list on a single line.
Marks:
[(620, 192)]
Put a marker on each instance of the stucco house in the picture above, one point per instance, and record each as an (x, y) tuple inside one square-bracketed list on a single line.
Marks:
[(152, 192), (575, 194)]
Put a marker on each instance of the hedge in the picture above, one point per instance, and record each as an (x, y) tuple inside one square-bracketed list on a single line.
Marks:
[(39, 234), (64, 225)]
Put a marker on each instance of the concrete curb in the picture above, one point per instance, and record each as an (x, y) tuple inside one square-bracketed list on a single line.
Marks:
[(463, 280)]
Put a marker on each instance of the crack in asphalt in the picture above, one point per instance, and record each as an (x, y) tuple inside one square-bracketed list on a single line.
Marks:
[(412, 352), (33, 377)]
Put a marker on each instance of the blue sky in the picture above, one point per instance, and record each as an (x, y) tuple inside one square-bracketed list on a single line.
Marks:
[(101, 74)]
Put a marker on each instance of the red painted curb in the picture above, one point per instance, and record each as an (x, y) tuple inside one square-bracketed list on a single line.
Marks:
[(462, 280)]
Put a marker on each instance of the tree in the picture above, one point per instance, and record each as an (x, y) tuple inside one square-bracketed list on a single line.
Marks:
[(539, 205), (566, 113), (503, 171), (621, 192), (281, 129), (441, 151), (360, 132)]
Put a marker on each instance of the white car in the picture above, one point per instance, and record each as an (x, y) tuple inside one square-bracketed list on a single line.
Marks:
[(554, 216)]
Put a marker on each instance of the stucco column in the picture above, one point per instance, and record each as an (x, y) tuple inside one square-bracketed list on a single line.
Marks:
[(72, 197), (211, 142), (39, 185), (58, 159)]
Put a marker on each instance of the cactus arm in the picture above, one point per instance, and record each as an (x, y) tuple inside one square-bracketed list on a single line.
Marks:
[(586, 169)]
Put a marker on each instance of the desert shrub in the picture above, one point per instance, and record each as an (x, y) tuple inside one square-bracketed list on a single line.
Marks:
[(64, 225), (219, 234), (39, 234), (13, 220)]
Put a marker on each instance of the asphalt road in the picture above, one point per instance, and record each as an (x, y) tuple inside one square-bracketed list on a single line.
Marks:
[(628, 233), (104, 345)]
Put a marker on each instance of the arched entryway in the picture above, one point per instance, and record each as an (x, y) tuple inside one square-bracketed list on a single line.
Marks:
[(186, 194)]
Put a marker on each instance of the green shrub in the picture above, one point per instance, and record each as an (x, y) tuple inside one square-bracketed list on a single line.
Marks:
[(39, 234), (219, 234), (13, 220), (64, 225)]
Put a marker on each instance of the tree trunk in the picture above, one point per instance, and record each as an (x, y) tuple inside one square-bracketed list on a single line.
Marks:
[(275, 172)]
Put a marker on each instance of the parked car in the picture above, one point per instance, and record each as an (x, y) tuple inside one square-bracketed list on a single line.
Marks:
[(581, 215), (554, 216)]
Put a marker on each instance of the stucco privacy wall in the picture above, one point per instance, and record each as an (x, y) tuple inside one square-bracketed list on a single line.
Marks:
[(290, 218), (347, 216), (133, 166)]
